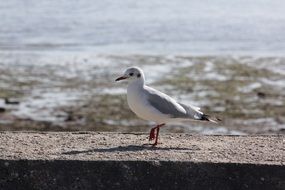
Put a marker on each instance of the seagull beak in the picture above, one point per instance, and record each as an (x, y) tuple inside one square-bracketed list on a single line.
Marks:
[(121, 78)]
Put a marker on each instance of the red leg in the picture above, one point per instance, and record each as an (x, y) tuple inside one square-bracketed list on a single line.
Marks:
[(156, 138), (152, 134), (157, 133)]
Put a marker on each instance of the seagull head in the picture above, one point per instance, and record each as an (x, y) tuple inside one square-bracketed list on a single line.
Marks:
[(132, 74)]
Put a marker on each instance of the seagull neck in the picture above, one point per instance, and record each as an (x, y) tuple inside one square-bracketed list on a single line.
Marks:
[(137, 84)]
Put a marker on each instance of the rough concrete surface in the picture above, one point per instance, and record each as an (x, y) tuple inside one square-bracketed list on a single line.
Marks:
[(117, 146), (89, 160)]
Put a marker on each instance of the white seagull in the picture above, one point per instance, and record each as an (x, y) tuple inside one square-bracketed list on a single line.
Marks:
[(153, 105)]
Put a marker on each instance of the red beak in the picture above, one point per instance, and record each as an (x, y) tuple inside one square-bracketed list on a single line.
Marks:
[(121, 78)]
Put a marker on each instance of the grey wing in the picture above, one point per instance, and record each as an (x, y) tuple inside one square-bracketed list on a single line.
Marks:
[(165, 105), (192, 112)]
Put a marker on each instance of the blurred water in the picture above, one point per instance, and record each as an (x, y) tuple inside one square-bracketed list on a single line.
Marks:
[(149, 26), (59, 59)]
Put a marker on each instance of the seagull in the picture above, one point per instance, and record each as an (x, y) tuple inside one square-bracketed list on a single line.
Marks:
[(153, 105)]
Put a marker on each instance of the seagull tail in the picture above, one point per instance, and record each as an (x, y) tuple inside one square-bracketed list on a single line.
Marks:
[(210, 118)]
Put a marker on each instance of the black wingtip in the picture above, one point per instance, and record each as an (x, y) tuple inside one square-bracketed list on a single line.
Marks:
[(205, 117), (210, 118)]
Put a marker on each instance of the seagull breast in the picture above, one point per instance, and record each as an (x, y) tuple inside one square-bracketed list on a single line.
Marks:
[(150, 104), (139, 104)]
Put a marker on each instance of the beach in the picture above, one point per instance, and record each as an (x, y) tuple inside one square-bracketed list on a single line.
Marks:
[(78, 91), (58, 66)]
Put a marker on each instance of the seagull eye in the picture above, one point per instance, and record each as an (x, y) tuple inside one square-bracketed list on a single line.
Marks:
[(131, 74)]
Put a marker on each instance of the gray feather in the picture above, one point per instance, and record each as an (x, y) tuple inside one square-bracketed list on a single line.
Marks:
[(192, 112), (164, 106)]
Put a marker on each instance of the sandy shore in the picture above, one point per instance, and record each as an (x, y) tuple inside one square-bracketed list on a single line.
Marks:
[(77, 92)]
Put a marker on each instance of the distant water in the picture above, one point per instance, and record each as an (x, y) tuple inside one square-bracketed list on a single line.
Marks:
[(148, 26)]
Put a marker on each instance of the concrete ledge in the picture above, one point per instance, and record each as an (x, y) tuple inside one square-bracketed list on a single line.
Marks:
[(119, 161)]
